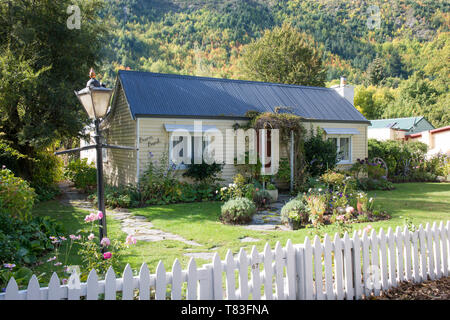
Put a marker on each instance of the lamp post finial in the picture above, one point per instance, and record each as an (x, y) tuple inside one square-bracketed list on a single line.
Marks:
[(92, 73)]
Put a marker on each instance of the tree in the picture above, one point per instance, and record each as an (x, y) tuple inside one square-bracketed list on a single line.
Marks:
[(376, 72), (284, 55), (42, 61)]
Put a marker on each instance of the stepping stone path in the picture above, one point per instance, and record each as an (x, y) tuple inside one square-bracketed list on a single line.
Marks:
[(138, 226), (268, 220), (249, 239)]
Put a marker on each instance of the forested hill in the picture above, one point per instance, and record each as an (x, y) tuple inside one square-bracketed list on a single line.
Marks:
[(206, 37)]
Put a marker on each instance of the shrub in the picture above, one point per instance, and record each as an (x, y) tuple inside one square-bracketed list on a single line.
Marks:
[(16, 195), (204, 172), (398, 155), (237, 189), (82, 174), (47, 171), (320, 154), (261, 198), (333, 179), (295, 210), (368, 184), (237, 211)]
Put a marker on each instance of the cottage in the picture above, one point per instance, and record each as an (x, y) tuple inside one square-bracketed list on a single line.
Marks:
[(147, 107), (397, 128)]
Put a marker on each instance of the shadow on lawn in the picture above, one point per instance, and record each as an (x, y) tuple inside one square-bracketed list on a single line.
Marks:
[(70, 217)]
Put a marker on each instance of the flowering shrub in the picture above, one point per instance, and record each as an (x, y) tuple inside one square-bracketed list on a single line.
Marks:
[(237, 211), (237, 189), (317, 207)]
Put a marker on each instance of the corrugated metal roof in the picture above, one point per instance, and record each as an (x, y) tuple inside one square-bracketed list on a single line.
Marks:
[(177, 95), (409, 124)]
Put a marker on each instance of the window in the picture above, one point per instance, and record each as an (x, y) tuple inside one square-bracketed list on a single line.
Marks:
[(343, 147), (185, 151)]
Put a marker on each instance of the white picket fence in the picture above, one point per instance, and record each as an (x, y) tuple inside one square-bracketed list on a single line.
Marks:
[(346, 268)]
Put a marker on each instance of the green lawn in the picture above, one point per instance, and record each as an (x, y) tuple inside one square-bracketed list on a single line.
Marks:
[(422, 202)]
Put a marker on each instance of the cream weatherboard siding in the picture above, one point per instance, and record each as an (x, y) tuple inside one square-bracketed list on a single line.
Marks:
[(359, 141), (120, 129), (155, 139)]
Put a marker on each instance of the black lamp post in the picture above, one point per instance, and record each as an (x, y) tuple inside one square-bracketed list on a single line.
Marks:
[(95, 100)]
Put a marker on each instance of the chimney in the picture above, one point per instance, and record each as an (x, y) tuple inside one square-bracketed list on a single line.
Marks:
[(346, 91)]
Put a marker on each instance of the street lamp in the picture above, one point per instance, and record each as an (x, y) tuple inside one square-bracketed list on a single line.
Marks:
[(95, 100)]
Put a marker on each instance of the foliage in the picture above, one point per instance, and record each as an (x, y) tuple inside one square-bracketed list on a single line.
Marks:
[(376, 72), (237, 189), (204, 172), (367, 184), (284, 55), (237, 211), (82, 174), (286, 123), (271, 186), (398, 155), (46, 172), (23, 243), (317, 206), (320, 154), (16, 196), (261, 198), (295, 210), (38, 72)]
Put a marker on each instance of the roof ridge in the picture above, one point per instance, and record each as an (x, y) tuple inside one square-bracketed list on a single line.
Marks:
[(189, 77)]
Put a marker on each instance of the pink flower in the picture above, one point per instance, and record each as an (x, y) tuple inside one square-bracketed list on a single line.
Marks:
[(9, 265), (130, 240), (91, 236), (90, 217), (58, 264), (63, 238), (107, 255), (3, 167), (341, 217), (51, 259), (74, 237), (105, 242), (64, 281), (99, 215)]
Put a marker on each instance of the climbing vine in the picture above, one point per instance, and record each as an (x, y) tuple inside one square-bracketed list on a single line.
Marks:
[(286, 123)]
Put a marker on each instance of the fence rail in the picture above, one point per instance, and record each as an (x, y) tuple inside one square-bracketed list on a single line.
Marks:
[(337, 269)]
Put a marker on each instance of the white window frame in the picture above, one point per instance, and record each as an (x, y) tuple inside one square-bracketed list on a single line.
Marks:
[(338, 136), (183, 166)]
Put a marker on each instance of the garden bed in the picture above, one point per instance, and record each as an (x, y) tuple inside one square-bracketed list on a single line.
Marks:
[(428, 290)]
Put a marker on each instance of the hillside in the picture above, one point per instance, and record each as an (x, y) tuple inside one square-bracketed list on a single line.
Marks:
[(206, 37)]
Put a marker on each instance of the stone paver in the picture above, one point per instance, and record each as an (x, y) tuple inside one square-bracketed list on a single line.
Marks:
[(250, 239), (200, 255), (138, 226), (270, 219)]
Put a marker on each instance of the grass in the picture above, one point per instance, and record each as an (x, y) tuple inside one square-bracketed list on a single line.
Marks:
[(420, 202)]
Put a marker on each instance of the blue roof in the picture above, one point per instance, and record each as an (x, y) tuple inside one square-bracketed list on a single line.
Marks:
[(156, 94)]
